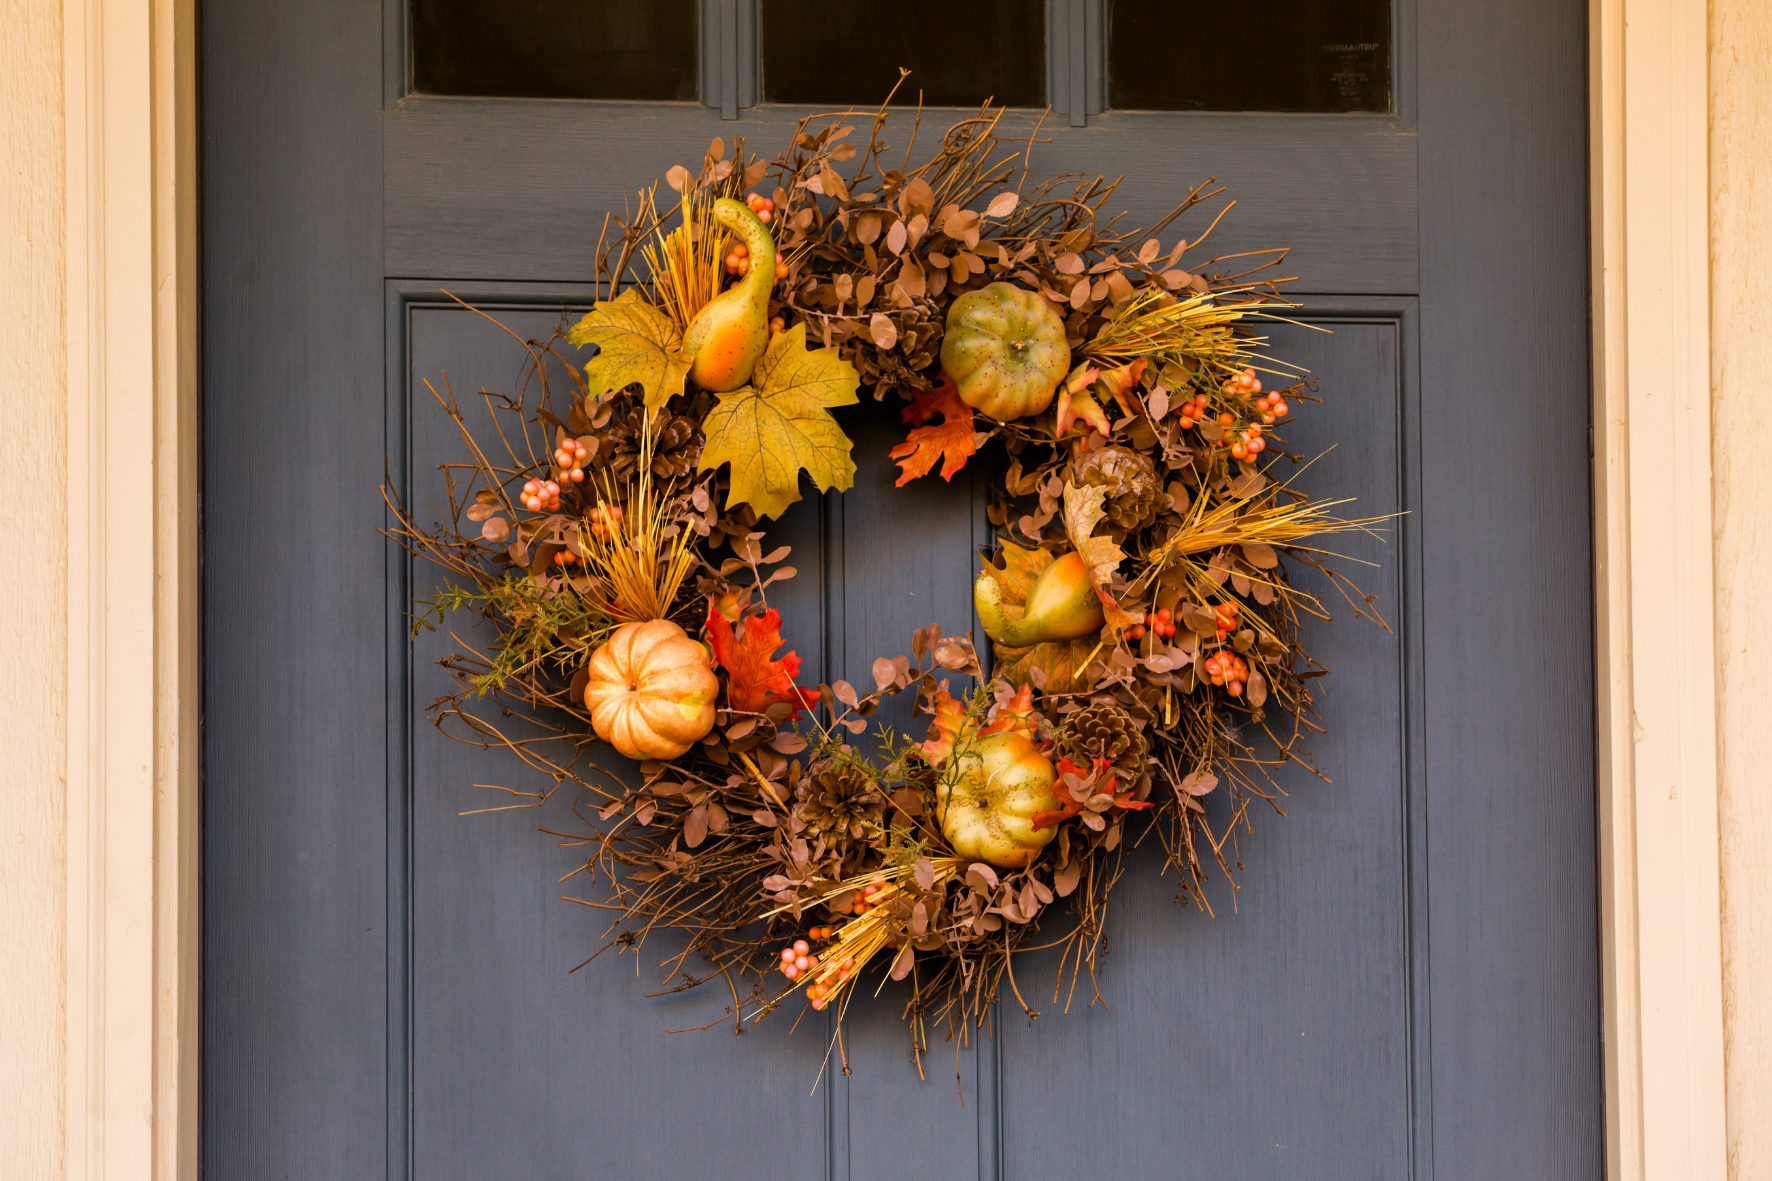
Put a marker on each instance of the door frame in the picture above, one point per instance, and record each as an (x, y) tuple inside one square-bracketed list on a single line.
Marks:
[(132, 1083)]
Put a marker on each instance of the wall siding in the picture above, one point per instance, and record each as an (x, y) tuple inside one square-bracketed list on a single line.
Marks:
[(33, 590), (1741, 360)]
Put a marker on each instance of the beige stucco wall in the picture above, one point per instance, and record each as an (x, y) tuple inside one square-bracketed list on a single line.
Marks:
[(1741, 369), (33, 591)]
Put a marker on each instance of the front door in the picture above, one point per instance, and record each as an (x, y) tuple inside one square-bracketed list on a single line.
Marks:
[(1405, 984)]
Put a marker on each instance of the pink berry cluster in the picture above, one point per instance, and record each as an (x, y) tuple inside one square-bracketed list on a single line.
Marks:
[(800, 960), (570, 458), (541, 494), (797, 959)]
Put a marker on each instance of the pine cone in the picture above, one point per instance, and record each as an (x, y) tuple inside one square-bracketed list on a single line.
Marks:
[(1130, 480), (840, 800), (676, 445), (1105, 731), (904, 366)]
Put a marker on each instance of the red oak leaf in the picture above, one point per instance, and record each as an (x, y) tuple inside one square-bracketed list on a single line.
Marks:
[(1075, 401), (1098, 780), (755, 680), (951, 442)]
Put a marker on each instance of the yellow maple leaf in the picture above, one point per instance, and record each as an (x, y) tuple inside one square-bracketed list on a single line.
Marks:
[(1082, 513), (780, 423), (635, 342)]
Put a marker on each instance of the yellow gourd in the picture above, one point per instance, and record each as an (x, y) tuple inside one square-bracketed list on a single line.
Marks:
[(727, 336), (988, 799), (1061, 605), (650, 691)]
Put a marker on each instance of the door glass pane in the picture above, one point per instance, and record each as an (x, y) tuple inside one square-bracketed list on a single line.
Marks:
[(608, 49), (838, 52), (1278, 55)]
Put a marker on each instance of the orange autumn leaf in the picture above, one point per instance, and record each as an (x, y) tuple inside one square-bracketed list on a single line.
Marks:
[(951, 441), (950, 720), (755, 680)]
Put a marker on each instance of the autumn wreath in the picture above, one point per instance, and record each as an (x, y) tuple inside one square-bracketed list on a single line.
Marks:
[(1145, 634)]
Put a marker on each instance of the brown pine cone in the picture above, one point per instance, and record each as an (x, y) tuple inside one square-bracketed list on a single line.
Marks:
[(840, 801), (676, 449), (1105, 731), (903, 367), (1134, 494), (676, 445)]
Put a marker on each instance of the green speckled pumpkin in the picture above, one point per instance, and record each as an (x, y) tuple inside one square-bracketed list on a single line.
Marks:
[(1005, 350)]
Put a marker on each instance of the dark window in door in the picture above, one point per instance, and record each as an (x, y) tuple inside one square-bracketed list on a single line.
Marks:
[(1282, 55), (607, 49), (959, 55), (1286, 55)]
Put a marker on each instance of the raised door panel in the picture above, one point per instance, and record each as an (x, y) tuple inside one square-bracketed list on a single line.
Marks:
[(1244, 1022)]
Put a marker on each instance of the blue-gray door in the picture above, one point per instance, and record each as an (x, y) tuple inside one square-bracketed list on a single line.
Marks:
[(1406, 985)]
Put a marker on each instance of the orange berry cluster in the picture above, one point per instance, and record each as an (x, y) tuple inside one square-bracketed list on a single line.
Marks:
[(738, 262), (565, 558), (1227, 618), (762, 206), (570, 459), (1249, 442), (604, 519), (541, 494), (738, 259), (1228, 669), (860, 901), (1272, 406), (1193, 411), (1162, 623)]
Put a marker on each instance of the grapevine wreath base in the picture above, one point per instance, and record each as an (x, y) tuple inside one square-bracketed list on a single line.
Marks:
[(1145, 633)]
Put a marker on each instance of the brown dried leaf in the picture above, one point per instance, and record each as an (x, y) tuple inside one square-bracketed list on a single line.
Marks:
[(885, 674), (1261, 556), (919, 196), (495, 530), (895, 238), (678, 178), (1003, 204), (1199, 783), (883, 329)]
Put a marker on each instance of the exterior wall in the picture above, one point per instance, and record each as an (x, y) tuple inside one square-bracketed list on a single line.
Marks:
[(33, 591), (1741, 361)]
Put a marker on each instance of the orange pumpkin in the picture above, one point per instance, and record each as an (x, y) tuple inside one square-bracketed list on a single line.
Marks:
[(650, 691)]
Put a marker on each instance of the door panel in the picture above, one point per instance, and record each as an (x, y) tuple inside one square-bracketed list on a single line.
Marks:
[(1282, 1027), (1406, 984), (1276, 1036)]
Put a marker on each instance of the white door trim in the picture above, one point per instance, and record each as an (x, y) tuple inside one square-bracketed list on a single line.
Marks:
[(1657, 742), (133, 645)]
